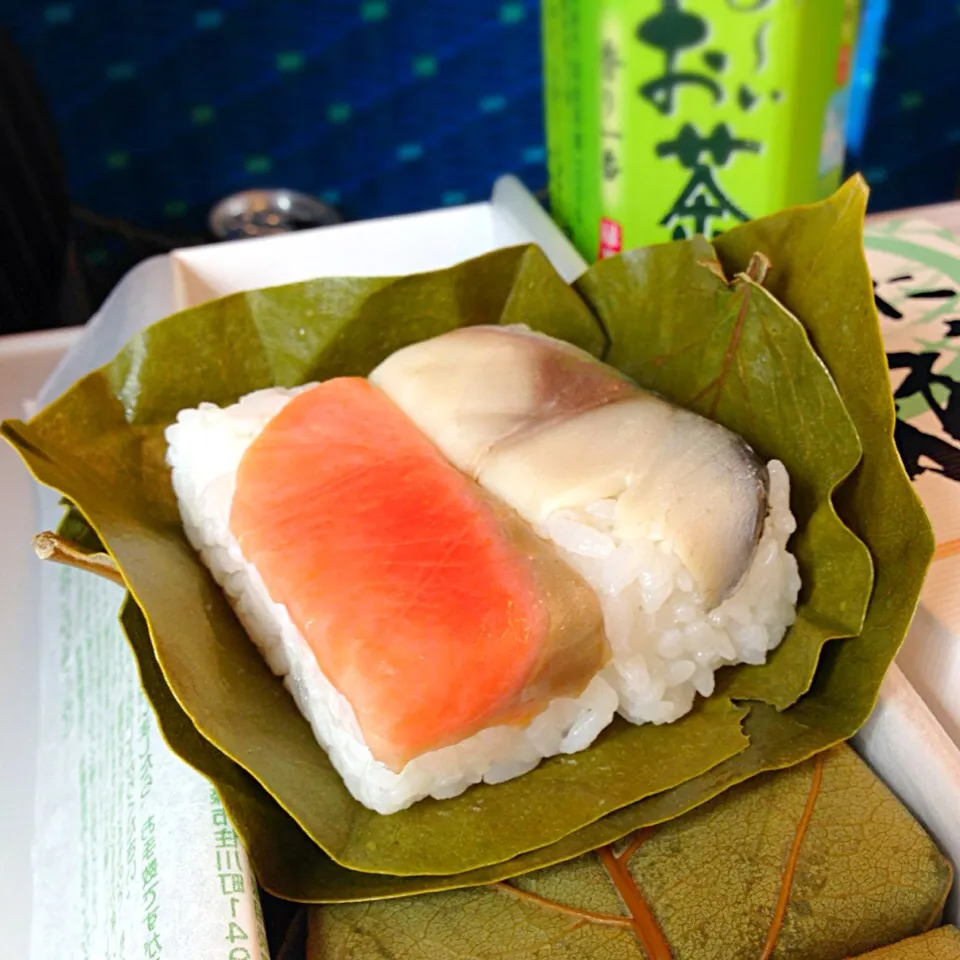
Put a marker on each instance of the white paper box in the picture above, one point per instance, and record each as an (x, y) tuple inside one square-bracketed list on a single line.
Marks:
[(902, 741), (373, 248)]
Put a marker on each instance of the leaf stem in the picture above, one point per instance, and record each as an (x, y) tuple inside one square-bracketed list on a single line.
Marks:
[(734, 343), (606, 919), (949, 548), (645, 925), (757, 268), (790, 868), (50, 546), (639, 839)]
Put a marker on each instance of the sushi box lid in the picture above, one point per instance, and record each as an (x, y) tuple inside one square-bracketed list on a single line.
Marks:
[(903, 741)]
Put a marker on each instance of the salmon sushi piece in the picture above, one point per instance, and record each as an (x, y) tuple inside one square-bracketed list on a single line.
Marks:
[(430, 637), (674, 520)]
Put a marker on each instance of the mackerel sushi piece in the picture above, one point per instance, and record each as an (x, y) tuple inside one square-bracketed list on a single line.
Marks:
[(673, 519), (474, 388), (547, 427), (430, 637)]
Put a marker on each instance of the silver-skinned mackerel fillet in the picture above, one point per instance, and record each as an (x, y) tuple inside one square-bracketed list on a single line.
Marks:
[(544, 426)]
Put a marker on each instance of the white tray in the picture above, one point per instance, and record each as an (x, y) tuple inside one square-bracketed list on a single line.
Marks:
[(902, 741)]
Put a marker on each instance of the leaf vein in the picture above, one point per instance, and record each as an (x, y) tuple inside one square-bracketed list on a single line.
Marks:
[(790, 867)]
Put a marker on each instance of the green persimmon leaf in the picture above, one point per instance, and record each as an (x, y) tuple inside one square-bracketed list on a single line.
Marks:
[(940, 944), (821, 860)]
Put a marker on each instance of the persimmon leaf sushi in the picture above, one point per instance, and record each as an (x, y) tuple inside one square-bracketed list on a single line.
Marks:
[(796, 368), (471, 561), (428, 635)]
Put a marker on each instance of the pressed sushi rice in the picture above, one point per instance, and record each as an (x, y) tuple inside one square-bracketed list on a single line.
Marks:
[(665, 644), (205, 449)]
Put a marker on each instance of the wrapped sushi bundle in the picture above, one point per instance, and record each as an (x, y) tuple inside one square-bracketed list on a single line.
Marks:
[(461, 577), (780, 866), (940, 944)]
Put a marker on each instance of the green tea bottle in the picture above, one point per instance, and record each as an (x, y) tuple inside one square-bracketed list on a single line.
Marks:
[(667, 118)]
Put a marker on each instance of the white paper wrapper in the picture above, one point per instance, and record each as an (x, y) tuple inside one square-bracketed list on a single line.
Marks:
[(134, 856)]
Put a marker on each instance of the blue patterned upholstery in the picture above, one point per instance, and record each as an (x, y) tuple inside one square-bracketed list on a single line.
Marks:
[(380, 106), (911, 146)]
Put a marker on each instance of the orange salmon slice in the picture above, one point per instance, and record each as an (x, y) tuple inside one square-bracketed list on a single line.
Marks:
[(430, 606)]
